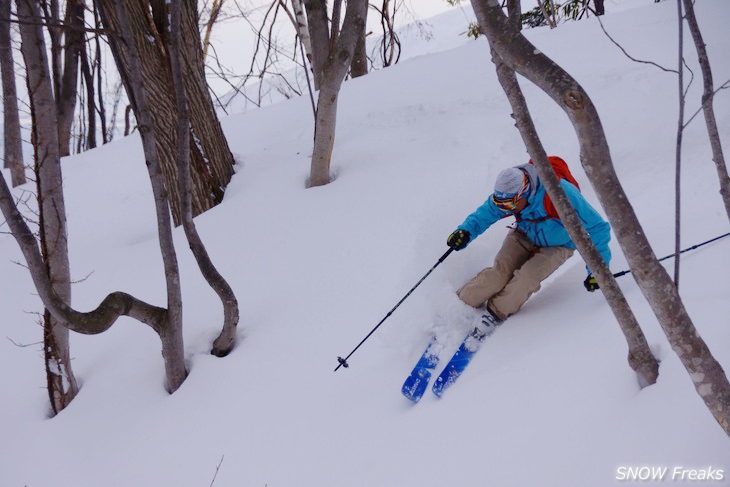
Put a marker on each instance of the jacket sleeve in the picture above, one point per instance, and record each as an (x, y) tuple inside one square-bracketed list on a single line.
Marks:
[(481, 219), (598, 229)]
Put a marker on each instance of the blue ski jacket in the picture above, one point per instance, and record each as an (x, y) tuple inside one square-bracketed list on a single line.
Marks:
[(534, 223)]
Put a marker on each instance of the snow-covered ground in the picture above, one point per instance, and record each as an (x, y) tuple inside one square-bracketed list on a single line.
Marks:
[(549, 400)]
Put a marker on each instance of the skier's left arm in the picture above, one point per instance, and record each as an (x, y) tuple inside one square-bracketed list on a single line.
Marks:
[(598, 228)]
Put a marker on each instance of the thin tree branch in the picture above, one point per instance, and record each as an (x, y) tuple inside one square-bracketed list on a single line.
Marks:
[(600, 22)]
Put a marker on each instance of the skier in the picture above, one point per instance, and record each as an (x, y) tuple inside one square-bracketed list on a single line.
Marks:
[(534, 248)]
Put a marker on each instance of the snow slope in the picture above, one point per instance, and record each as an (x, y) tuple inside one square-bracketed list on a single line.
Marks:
[(548, 401)]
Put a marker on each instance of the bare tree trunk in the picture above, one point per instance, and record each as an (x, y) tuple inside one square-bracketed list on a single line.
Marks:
[(106, 136), (60, 379), (705, 372), (11, 121), (88, 79), (300, 24), (332, 73), (317, 23), (359, 66), (67, 36), (215, 11), (548, 18), (707, 105), (390, 44), (514, 12), (324, 135), (336, 17), (62, 385), (224, 343), (678, 149), (170, 330), (73, 41), (206, 134), (211, 159)]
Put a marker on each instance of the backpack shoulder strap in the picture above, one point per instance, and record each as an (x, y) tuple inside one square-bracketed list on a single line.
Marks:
[(562, 171)]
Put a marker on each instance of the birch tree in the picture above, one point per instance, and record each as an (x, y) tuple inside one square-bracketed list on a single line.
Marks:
[(62, 385), (66, 39), (332, 52), (11, 119), (299, 21), (708, 95)]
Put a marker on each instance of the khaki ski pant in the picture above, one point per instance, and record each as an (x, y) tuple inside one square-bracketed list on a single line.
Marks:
[(518, 269)]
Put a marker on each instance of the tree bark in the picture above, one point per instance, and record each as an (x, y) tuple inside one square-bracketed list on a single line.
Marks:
[(678, 148), (324, 136), (106, 135), (317, 23), (656, 284), (62, 385), (359, 65), (88, 79), (211, 159), (206, 134), (11, 120), (514, 13), (331, 74), (70, 47), (300, 24), (550, 19)]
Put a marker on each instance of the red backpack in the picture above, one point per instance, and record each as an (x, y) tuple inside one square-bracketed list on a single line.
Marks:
[(562, 172)]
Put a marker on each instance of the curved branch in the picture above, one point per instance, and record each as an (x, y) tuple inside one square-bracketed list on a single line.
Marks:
[(89, 323), (225, 341)]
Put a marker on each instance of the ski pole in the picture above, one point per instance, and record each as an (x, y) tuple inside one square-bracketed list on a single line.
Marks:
[(622, 273), (343, 361)]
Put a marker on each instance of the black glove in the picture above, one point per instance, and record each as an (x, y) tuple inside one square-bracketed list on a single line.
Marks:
[(590, 283), (459, 239)]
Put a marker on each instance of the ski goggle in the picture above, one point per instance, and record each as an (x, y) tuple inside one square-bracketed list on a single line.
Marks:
[(509, 205)]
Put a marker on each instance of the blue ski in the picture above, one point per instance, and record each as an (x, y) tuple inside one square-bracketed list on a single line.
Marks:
[(464, 354), (415, 385)]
